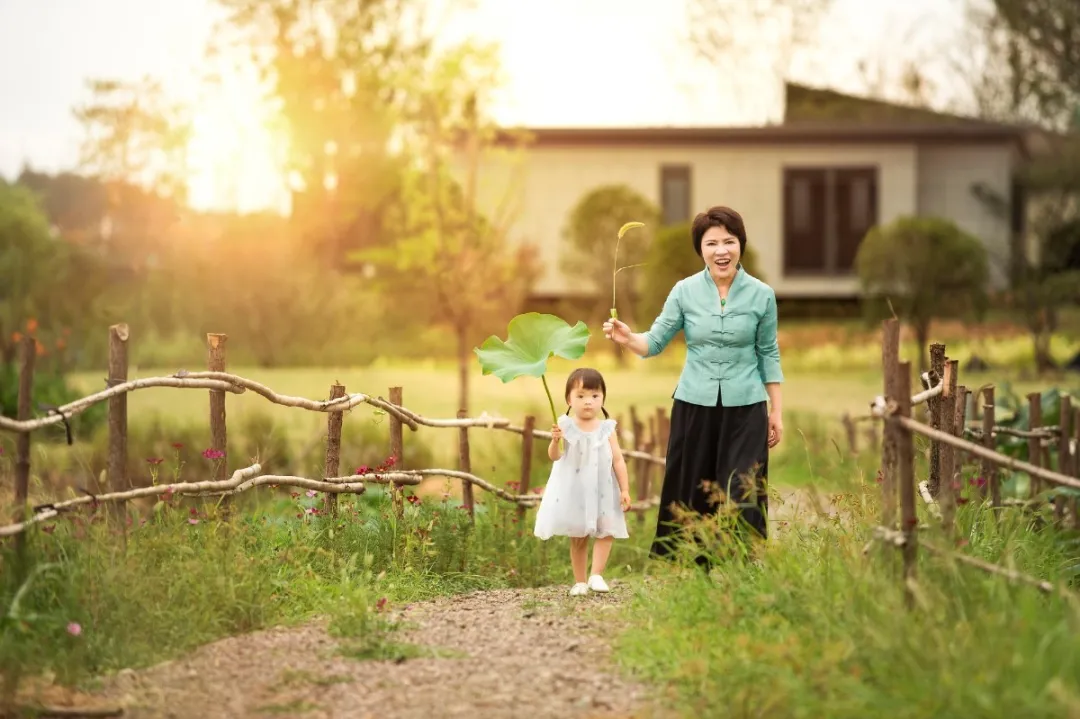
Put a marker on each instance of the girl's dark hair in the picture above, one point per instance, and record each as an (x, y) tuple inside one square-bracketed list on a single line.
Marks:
[(586, 378)]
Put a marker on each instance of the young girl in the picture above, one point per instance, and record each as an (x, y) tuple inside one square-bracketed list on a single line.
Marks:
[(588, 490)]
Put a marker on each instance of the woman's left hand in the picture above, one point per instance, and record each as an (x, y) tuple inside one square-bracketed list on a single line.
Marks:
[(776, 429)]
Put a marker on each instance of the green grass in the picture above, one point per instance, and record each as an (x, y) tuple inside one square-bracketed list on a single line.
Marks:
[(186, 577), (818, 629), (815, 629)]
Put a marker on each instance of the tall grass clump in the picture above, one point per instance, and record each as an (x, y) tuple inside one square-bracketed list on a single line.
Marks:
[(814, 625)]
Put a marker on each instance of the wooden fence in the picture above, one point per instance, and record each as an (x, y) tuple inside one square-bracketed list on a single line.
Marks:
[(648, 437), (948, 432)]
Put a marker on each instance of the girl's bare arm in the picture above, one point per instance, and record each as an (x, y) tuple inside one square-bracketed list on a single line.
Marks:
[(554, 452), (618, 463)]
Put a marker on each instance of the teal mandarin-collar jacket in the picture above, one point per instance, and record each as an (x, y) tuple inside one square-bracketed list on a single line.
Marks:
[(731, 350)]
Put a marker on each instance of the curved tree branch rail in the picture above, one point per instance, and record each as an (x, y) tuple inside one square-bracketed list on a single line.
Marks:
[(250, 477), (235, 384), (886, 410)]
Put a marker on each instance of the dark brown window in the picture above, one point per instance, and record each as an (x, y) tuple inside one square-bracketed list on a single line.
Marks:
[(827, 212), (675, 190)]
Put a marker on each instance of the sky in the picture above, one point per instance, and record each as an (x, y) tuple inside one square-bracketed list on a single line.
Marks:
[(567, 63)]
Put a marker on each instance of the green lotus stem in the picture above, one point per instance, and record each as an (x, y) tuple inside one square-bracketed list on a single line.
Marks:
[(551, 403)]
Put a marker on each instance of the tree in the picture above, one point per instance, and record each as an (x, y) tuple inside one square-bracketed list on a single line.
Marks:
[(449, 247), (591, 231), (135, 136), (1044, 42), (1028, 72), (671, 257), (925, 268), (1043, 283), (75, 204), (45, 283), (341, 73)]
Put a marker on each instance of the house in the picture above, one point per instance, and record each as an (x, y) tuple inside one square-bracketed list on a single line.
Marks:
[(809, 188)]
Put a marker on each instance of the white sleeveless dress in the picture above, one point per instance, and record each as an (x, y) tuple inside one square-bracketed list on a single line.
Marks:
[(581, 498)]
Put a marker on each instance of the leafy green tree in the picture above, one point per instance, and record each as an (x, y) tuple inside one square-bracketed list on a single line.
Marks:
[(1050, 279), (925, 268), (1028, 73), (33, 268), (47, 286), (453, 225), (342, 73)]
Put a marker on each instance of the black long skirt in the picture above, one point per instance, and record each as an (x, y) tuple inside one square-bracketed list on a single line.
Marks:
[(717, 458)]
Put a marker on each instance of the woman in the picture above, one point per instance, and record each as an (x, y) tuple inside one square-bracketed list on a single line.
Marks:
[(721, 426)]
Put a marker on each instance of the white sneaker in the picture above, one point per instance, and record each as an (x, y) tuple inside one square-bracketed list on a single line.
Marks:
[(597, 584), (579, 590)]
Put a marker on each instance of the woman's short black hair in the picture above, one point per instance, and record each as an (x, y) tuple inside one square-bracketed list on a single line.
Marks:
[(718, 216)]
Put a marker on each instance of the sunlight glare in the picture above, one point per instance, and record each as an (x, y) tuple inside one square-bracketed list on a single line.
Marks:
[(236, 156)]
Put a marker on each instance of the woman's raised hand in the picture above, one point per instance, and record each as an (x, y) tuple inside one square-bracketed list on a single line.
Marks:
[(617, 331)]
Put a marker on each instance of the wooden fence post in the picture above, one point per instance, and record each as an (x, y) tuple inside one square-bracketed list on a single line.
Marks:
[(22, 449), (643, 468), (947, 490), (663, 427), (1034, 444), (397, 448), (851, 432), (332, 465), (989, 468), (962, 456), (218, 435), (116, 465), (526, 465), (935, 404), (1075, 504), (909, 520), (465, 465), (890, 364), (1064, 455), (637, 428), (871, 434)]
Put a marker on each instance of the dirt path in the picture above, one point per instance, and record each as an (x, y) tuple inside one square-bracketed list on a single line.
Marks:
[(505, 653), (488, 655)]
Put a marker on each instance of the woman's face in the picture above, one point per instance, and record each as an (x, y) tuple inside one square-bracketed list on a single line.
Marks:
[(720, 250)]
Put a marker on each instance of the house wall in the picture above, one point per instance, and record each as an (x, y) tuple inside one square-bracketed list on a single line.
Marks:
[(947, 177), (550, 180)]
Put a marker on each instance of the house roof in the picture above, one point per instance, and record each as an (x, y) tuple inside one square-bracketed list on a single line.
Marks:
[(811, 116), (806, 106), (817, 133)]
